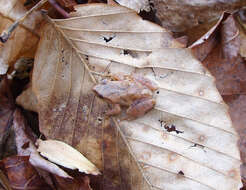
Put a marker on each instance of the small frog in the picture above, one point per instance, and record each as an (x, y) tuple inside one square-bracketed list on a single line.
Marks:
[(134, 92)]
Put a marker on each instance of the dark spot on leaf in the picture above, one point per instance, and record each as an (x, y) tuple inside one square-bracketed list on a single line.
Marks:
[(125, 52), (129, 52), (25, 145), (181, 172), (99, 119), (172, 128), (198, 145), (108, 39)]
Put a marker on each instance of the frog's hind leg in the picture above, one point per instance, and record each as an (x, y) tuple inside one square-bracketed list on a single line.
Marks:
[(115, 110)]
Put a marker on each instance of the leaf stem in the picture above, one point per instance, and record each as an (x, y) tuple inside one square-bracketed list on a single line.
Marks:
[(59, 8), (6, 34), (73, 46)]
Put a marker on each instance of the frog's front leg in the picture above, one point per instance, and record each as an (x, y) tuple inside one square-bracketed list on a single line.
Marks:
[(140, 107), (115, 110)]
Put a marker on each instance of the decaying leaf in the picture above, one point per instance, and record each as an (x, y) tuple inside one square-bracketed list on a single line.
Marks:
[(137, 5), (22, 175), (65, 155), (186, 142), (220, 51), (185, 14), (25, 140), (225, 62), (6, 113), (78, 183), (242, 20), (4, 181), (27, 100), (67, 3), (24, 40)]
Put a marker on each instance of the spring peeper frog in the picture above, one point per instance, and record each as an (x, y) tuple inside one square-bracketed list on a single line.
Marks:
[(134, 92)]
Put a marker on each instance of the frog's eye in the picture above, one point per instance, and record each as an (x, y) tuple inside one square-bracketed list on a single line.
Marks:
[(157, 92)]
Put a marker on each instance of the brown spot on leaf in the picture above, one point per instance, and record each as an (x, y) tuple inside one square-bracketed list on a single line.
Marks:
[(172, 157), (201, 138)]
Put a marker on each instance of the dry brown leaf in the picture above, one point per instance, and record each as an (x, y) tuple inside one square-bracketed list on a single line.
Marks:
[(137, 5), (221, 48), (27, 100), (185, 14), (243, 43), (22, 175), (65, 155), (4, 182), (24, 40), (67, 3), (80, 182), (241, 18), (140, 154), (25, 140), (6, 114)]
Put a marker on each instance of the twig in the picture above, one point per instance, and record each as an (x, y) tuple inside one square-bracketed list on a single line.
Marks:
[(6, 34), (59, 8)]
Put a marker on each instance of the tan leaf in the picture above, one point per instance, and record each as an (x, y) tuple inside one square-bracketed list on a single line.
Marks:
[(25, 139), (24, 40), (27, 100), (200, 150), (65, 155), (137, 5), (181, 16)]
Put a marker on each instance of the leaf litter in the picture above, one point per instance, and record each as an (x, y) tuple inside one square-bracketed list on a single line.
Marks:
[(136, 146), (139, 153)]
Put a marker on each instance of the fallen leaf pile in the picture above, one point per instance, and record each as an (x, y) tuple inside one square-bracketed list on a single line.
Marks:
[(189, 140)]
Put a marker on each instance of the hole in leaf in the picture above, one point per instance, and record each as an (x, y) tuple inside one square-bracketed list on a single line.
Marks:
[(172, 128), (25, 145), (181, 172), (99, 119), (108, 39)]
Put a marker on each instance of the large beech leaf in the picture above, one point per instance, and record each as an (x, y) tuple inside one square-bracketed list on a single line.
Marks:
[(200, 152)]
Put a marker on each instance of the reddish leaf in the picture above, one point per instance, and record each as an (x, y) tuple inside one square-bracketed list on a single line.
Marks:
[(67, 3), (228, 67), (220, 48), (6, 113), (22, 175), (80, 182)]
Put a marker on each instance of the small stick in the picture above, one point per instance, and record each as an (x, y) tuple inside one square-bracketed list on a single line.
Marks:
[(59, 8), (6, 34)]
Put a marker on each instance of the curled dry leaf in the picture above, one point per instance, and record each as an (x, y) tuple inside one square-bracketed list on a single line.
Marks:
[(225, 63), (27, 100), (220, 51), (22, 175), (24, 40), (25, 139), (65, 155), (186, 141), (185, 14)]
